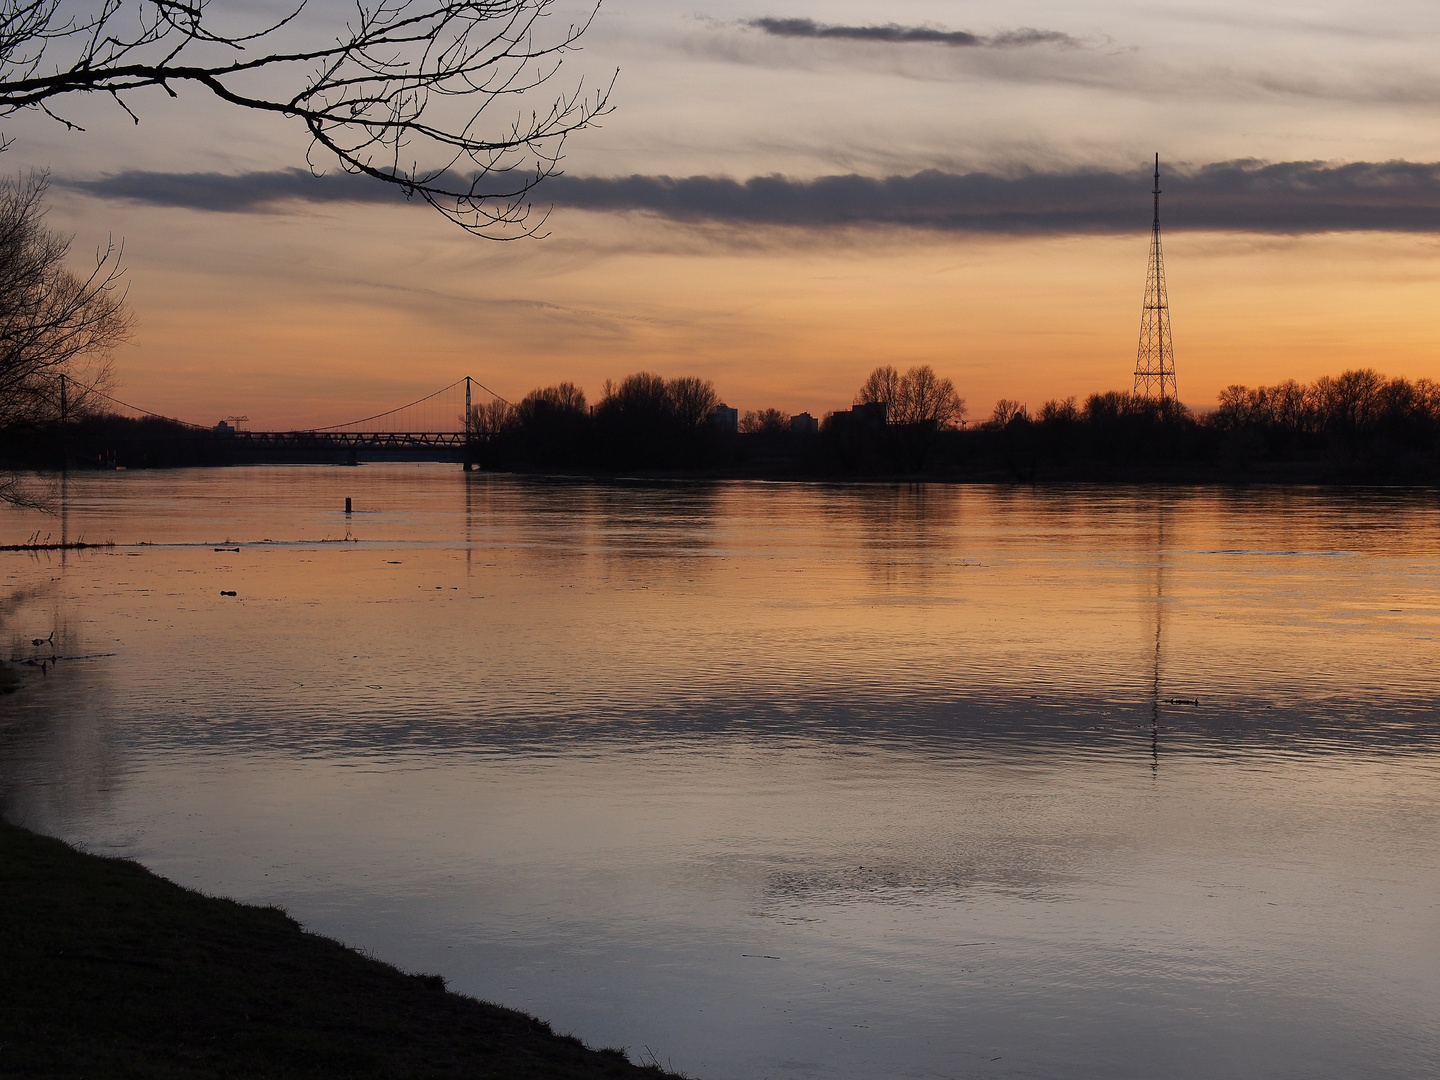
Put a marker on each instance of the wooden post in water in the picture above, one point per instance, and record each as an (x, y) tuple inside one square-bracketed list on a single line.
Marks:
[(347, 504)]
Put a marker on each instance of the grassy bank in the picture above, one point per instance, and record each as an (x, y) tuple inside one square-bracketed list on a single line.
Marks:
[(111, 971)]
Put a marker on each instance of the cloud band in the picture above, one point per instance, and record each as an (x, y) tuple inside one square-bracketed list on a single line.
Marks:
[(1236, 196), (894, 34)]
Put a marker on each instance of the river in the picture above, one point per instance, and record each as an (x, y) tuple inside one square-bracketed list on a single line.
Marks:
[(778, 780)]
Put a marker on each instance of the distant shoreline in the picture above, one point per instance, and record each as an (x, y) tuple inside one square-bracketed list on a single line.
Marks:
[(1140, 449), (1298, 474), (1280, 474), (111, 970)]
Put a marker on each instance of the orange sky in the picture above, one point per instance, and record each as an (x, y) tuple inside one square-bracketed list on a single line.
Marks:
[(318, 313), (293, 320)]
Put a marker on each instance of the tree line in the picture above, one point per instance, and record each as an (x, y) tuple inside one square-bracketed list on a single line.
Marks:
[(1359, 425), (643, 422)]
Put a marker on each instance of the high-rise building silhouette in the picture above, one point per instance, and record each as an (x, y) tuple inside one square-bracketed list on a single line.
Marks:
[(1155, 359)]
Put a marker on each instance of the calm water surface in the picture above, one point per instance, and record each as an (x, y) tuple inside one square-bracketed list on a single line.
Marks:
[(772, 780)]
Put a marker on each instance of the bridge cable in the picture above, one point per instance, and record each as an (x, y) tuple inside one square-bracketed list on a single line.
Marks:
[(137, 408), (492, 393), (389, 412), (330, 427)]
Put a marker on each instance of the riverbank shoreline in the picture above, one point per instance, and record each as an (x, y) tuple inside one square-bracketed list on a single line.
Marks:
[(1316, 474), (111, 970)]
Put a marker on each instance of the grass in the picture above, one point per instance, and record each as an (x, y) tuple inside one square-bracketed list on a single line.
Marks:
[(108, 970), (72, 545)]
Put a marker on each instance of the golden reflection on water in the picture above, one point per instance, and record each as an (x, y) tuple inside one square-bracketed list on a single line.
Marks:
[(1110, 782)]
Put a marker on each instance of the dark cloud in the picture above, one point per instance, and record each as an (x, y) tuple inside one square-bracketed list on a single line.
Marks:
[(1240, 196), (1236, 196), (1028, 35), (235, 192), (893, 33)]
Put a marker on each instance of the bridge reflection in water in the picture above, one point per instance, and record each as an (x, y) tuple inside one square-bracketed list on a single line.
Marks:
[(457, 441)]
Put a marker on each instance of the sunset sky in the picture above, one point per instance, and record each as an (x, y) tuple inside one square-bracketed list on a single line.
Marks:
[(987, 212)]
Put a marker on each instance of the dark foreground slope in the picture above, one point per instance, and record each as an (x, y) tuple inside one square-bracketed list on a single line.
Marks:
[(108, 970)]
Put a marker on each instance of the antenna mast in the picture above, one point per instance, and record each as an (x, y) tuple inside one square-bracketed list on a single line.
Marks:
[(1155, 359)]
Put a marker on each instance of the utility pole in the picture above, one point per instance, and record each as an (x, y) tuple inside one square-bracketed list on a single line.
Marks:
[(1155, 358), (64, 426)]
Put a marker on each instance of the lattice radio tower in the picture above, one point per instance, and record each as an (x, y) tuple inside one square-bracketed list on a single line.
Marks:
[(1155, 359)]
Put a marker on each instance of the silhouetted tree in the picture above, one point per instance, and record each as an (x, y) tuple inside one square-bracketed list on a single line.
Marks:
[(52, 321), (550, 427), (1055, 411), (1006, 411), (563, 397), (918, 405), (917, 397), (882, 387), (1135, 431), (490, 418), (57, 329), (1014, 437), (925, 398), (404, 91), (769, 422), (646, 422), (1057, 436), (693, 399), (1358, 417)]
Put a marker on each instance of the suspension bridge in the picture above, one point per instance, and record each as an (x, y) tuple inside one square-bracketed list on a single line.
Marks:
[(453, 423)]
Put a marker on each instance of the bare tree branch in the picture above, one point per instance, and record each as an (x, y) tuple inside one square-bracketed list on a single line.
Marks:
[(34, 492), (405, 94)]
